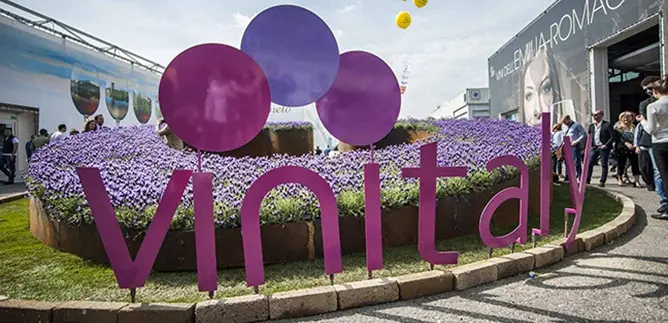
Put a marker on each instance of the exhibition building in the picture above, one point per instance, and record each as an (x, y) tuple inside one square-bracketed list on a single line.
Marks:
[(579, 56)]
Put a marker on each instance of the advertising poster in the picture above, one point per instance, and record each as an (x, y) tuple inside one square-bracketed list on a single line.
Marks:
[(66, 82), (546, 66)]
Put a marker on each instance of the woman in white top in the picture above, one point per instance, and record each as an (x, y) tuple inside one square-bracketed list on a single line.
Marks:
[(557, 142), (656, 125)]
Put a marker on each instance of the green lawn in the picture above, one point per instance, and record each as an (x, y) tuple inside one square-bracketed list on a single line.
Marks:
[(30, 270)]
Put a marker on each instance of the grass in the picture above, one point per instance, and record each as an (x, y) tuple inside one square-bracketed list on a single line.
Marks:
[(30, 270)]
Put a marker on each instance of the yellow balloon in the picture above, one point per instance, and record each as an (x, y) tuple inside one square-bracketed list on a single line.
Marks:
[(403, 20), (420, 3)]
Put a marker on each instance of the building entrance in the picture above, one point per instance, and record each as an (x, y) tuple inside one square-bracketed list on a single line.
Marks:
[(629, 61)]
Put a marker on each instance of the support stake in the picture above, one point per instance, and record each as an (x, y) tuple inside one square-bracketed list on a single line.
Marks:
[(133, 295), (331, 279), (565, 224), (489, 252), (211, 293), (431, 266), (370, 276), (512, 247), (533, 239), (256, 289)]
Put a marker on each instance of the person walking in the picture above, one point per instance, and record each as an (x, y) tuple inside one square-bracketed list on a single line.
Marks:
[(604, 136), (626, 151), (557, 155), (643, 144), (60, 134), (99, 122), (645, 141), (656, 124), (90, 125), (169, 137), (10, 147), (28, 147), (577, 134), (40, 141)]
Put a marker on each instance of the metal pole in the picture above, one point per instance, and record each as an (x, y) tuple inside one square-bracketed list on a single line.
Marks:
[(565, 224)]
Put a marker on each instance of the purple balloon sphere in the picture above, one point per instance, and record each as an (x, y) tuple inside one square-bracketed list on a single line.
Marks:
[(364, 102), (214, 97), (297, 51)]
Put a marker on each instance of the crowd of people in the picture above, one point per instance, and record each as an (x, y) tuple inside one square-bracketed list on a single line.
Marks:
[(635, 141), (10, 146), (329, 152)]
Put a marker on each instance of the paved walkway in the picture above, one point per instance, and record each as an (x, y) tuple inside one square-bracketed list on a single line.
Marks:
[(6, 190), (18, 187), (623, 282)]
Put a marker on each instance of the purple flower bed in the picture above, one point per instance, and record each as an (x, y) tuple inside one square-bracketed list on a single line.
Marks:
[(136, 165)]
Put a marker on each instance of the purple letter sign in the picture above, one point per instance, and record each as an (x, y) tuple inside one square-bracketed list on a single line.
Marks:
[(250, 219), (522, 193), (372, 221), (128, 273), (428, 172), (205, 237), (545, 175), (577, 191)]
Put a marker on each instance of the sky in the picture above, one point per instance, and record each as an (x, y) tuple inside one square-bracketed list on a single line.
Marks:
[(447, 44)]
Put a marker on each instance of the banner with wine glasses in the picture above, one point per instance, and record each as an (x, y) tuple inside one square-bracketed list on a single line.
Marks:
[(68, 82)]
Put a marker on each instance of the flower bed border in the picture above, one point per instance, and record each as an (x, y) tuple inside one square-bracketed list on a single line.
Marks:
[(292, 141), (13, 197), (325, 299), (290, 242), (397, 136)]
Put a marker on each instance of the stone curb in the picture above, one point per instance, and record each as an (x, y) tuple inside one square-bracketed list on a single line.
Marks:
[(424, 284), (320, 300), (303, 302), (367, 292), (13, 197), (242, 309)]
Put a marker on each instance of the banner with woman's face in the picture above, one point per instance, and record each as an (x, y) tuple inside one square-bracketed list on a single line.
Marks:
[(545, 68)]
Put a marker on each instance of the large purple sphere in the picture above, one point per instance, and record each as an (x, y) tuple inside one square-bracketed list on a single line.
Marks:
[(296, 50), (214, 97), (364, 102)]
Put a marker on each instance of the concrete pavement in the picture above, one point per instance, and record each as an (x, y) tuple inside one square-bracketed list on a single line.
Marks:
[(623, 282), (7, 190)]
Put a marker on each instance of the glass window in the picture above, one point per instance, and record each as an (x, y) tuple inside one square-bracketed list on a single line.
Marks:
[(615, 79), (630, 76), (511, 115)]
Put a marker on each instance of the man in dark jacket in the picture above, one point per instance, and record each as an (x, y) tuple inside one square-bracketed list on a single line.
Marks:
[(643, 143), (603, 135)]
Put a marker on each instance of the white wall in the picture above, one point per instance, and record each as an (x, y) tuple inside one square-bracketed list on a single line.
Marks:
[(449, 107), (26, 128), (463, 105)]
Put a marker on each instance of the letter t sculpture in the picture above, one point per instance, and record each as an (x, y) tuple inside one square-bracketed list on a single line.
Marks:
[(427, 174)]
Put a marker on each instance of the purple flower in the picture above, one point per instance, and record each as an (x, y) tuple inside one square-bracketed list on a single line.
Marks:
[(136, 165)]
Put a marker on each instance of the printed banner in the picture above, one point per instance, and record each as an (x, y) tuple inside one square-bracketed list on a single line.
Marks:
[(545, 68)]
